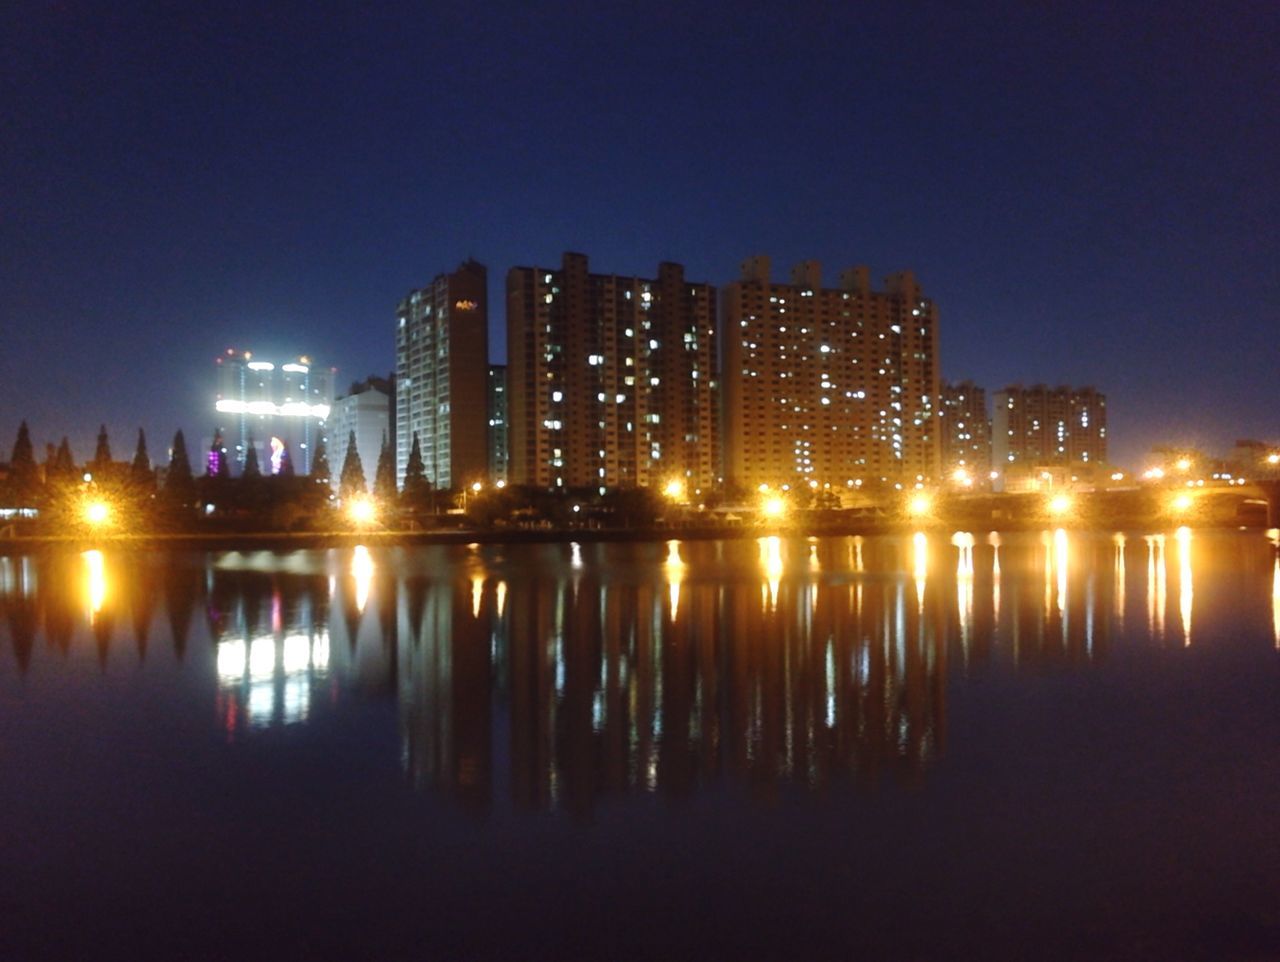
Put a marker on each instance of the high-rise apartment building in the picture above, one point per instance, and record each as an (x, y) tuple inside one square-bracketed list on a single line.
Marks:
[(834, 386), (258, 401), (610, 380), (1040, 427), (498, 452), (366, 411), (965, 430), (442, 358)]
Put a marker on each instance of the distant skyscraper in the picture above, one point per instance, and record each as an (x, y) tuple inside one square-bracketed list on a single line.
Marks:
[(498, 451), (610, 379), (965, 430), (1045, 427), (366, 411), (259, 400), (834, 386), (442, 358)]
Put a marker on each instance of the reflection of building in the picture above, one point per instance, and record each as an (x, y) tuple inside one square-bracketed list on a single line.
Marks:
[(610, 380), (367, 412), (442, 357), (829, 385), (1039, 427), (257, 400), (498, 452), (965, 430)]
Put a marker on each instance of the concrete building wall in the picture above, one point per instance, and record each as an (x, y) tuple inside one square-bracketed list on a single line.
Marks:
[(442, 356), (611, 379), (834, 386)]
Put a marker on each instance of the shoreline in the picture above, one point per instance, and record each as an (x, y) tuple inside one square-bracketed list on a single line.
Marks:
[(312, 540)]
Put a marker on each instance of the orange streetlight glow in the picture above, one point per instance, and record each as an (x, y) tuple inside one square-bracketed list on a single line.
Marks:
[(97, 513), (362, 511), (919, 504), (774, 507), (1059, 505)]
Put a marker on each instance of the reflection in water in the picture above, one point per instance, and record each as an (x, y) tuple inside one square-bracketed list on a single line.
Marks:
[(362, 572), (771, 564), (1119, 579), (964, 541), (1157, 585), (95, 583), (1183, 537), (674, 568), (920, 564), (525, 673)]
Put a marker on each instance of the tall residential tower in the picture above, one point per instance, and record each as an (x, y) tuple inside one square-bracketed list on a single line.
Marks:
[(610, 379), (442, 358), (829, 386)]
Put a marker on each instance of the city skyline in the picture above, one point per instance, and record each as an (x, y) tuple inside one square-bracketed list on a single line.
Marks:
[(1083, 210)]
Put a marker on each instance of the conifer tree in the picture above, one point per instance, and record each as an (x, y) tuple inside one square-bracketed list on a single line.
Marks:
[(384, 479), (24, 473), (351, 481), (140, 470), (251, 466), (64, 465), (416, 486), (179, 483), (102, 453), (320, 472), (286, 463)]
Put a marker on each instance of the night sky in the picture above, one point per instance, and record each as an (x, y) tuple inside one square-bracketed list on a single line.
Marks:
[(1090, 192)]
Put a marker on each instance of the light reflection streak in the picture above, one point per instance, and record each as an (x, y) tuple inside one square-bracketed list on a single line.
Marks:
[(1119, 540), (1061, 561), (964, 586), (994, 540), (1046, 542), (920, 565), (1183, 537), (477, 593), (502, 597), (1156, 584), (674, 569), (857, 553), (362, 572), (96, 576), (1275, 600), (771, 563)]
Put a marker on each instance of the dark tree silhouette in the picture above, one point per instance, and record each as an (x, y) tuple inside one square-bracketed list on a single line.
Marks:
[(219, 465), (24, 473), (384, 480), (251, 467), (102, 453), (179, 484), (63, 469), (320, 472), (351, 481), (140, 470), (417, 489)]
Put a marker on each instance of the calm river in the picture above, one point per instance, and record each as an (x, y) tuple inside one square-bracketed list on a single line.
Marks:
[(968, 746)]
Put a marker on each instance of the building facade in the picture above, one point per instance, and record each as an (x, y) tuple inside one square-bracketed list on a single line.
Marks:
[(442, 357), (829, 386), (1039, 427), (366, 410), (611, 380), (965, 430), (498, 453), (278, 407)]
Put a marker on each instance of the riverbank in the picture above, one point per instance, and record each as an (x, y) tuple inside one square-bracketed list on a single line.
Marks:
[(292, 541)]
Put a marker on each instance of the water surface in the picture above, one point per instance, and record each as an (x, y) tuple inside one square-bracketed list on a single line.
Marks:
[(1054, 745)]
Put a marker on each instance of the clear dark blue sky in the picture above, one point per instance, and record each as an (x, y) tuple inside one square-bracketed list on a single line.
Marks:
[(1090, 191)]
